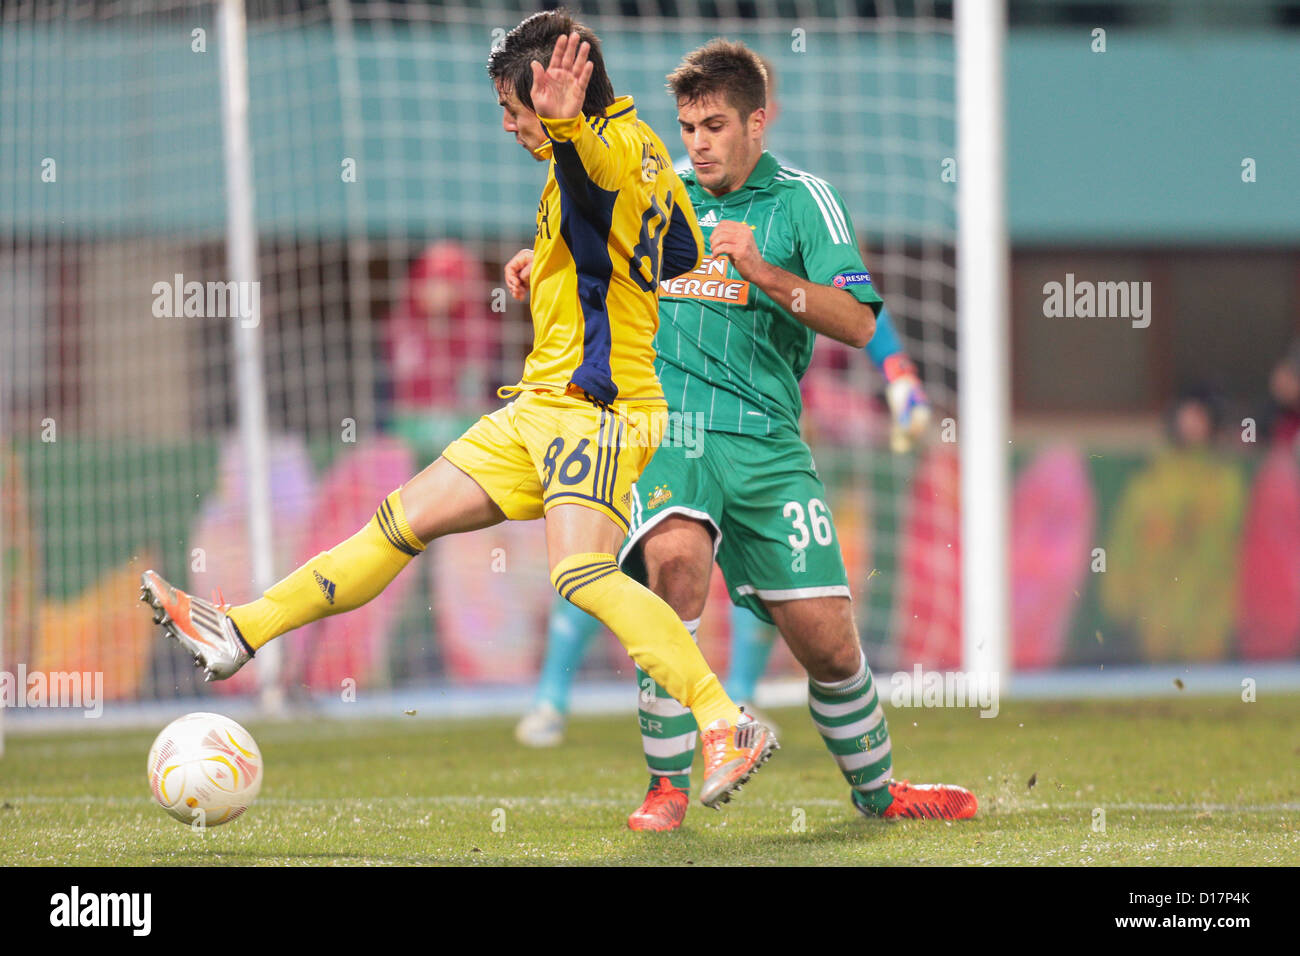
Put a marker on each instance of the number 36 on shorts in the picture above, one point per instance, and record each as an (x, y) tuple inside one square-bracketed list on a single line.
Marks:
[(816, 515)]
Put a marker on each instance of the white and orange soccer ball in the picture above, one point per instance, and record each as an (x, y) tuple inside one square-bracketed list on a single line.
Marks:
[(205, 769)]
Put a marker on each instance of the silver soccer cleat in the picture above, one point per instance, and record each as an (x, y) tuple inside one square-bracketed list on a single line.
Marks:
[(202, 628)]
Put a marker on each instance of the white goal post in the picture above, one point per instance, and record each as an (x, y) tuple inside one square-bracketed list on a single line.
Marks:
[(246, 331), (982, 329)]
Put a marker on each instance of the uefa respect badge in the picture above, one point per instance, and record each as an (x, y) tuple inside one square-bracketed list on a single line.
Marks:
[(851, 278)]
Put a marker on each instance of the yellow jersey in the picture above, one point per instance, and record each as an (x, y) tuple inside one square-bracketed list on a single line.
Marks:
[(614, 220)]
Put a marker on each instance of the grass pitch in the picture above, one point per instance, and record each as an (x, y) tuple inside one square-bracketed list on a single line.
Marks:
[(1181, 780)]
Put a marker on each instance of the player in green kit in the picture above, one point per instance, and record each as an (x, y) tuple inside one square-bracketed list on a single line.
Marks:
[(570, 630), (735, 337)]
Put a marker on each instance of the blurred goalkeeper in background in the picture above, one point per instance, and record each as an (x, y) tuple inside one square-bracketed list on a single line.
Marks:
[(586, 415), (736, 335), (570, 631)]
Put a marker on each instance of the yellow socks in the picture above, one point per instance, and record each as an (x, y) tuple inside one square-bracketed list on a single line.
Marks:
[(652, 633), (357, 570), (708, 700), (340, 579)]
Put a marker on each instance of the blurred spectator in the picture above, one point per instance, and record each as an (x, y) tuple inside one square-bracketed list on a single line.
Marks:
[(442, 345), (1172, 539), (442, 340), (1195, 418), (1281, 420), (837, 408)]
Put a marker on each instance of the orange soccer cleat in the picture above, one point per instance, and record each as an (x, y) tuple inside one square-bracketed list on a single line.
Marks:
[(732, 753), (664, 808), (926, 801), (199, 626)]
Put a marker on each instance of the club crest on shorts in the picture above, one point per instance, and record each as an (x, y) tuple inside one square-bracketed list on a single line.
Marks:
[(657, 497)]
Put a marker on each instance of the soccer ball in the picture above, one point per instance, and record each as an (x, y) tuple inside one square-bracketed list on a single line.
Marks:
[(205, 769)]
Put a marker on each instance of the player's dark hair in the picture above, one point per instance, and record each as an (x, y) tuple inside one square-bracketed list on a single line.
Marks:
[(511, 64), (721, 67)]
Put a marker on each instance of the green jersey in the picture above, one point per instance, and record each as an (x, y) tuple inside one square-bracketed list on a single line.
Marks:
[(725, 349)]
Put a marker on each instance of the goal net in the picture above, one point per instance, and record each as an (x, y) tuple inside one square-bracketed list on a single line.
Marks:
[(386, 200)]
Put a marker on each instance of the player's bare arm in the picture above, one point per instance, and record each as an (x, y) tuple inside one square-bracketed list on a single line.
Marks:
[(824, 309)]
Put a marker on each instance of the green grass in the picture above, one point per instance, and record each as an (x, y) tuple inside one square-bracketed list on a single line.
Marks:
[(1182, 780)]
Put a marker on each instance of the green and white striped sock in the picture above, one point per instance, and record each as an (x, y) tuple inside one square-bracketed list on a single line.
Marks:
[(848, 715), (668, 730)]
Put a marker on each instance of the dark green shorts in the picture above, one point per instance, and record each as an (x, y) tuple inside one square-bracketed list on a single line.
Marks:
[(773, 535)]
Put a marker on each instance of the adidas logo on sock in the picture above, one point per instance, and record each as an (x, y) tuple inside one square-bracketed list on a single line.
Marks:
[(326, 586)]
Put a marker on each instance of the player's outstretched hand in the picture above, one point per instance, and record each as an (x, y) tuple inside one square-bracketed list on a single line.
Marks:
[(560, 89), (518, 272)]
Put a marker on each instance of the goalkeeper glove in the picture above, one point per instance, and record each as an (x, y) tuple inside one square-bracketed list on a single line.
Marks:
[(909, 408)]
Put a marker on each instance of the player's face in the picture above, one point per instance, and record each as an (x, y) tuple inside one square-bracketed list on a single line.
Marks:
[(723, 148), (521, 122)]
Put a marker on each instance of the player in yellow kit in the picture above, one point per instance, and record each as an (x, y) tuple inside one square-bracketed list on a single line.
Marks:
[(613, 221)]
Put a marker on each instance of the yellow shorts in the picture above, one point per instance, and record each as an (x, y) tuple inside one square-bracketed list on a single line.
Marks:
[(546, 449)]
